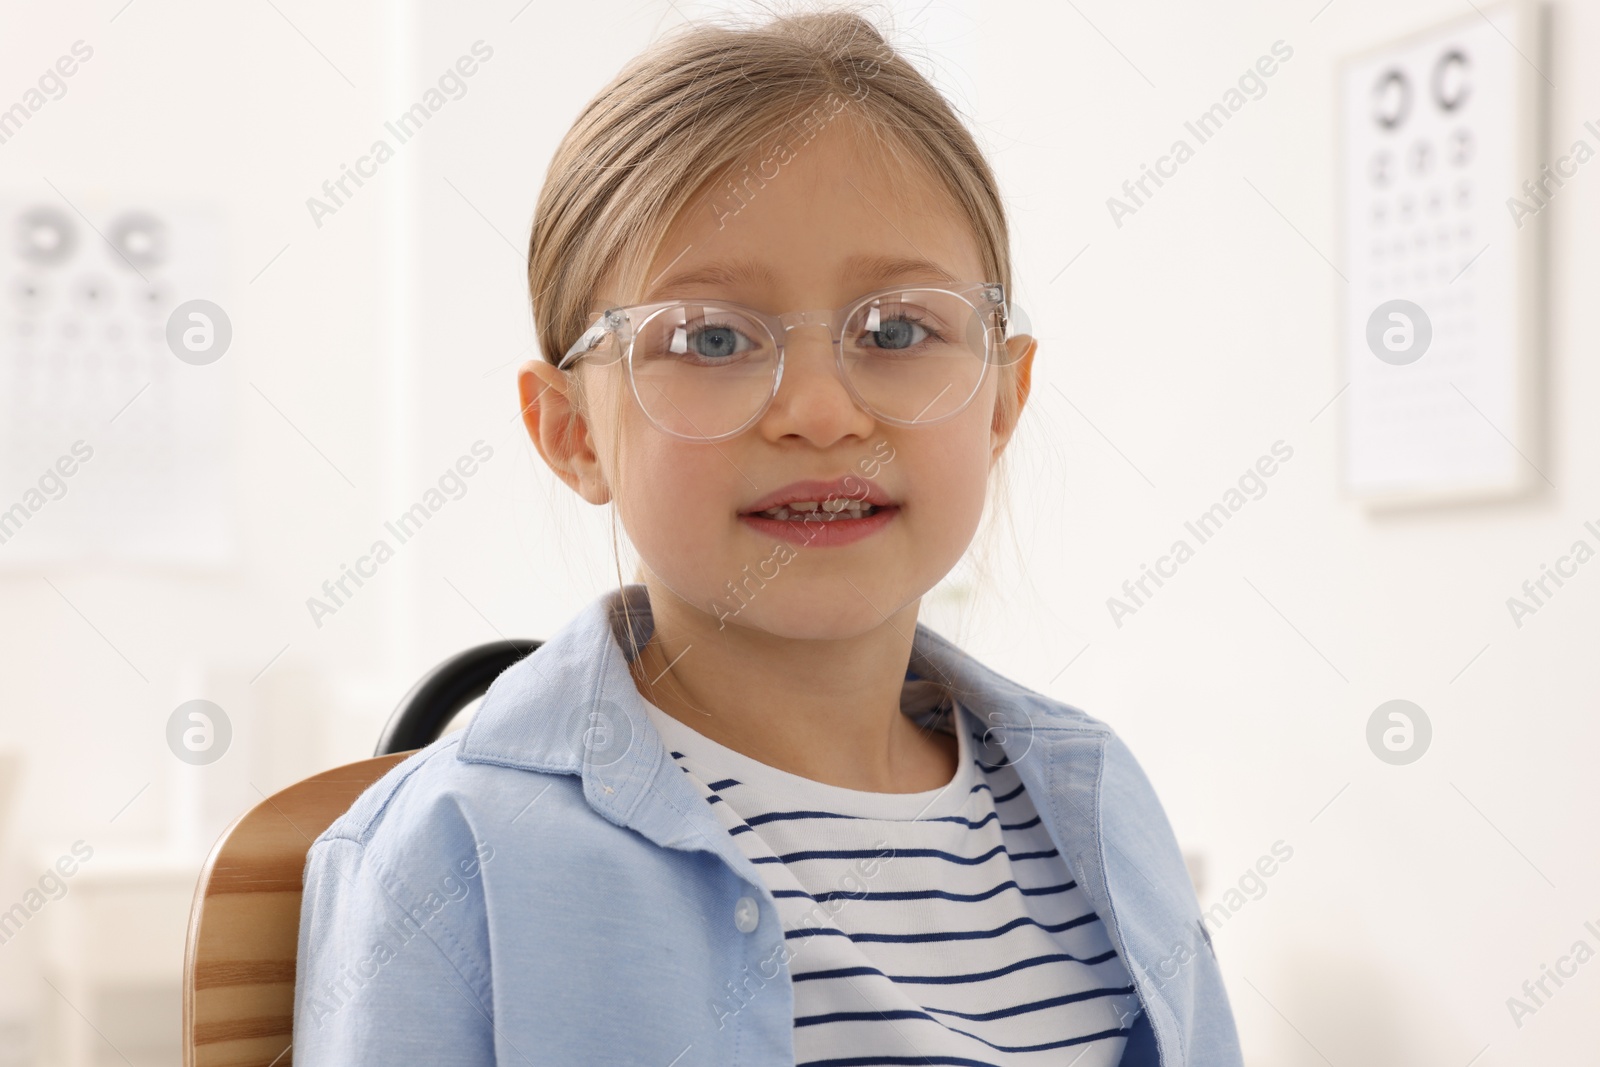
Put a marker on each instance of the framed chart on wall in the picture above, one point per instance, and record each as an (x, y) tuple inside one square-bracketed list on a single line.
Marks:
[(113, 448), (1442, 198)]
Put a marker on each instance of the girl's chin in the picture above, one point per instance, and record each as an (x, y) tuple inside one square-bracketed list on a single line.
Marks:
[(813, 608)]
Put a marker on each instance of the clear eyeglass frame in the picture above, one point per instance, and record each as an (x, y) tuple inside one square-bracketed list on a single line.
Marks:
[(984, 298)]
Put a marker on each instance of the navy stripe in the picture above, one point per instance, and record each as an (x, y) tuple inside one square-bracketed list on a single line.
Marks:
[(999, 1048), (1005, 761), (958, 935), (993, 816), (785, 816), (794, 816), (929, 894), (956, 979), (1011, 795), (1037, 1005), (911, 1013), (1063, 1043), (896, 1061), (935, 853)]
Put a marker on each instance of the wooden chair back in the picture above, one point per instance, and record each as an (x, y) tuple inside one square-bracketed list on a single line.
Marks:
[(244, 925)]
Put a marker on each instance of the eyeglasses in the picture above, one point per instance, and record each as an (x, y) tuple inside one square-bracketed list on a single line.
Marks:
[(707, 370)]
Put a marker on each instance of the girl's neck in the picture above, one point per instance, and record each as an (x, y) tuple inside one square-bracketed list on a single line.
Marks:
[(824, 709)]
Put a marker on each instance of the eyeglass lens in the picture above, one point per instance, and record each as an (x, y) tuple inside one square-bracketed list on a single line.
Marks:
[(703, 370)]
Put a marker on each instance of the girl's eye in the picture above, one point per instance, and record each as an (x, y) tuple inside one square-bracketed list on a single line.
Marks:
[(898, 334), (714, 342)]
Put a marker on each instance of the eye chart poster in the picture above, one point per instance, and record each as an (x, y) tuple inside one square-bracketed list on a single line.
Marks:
[(1442, 196)]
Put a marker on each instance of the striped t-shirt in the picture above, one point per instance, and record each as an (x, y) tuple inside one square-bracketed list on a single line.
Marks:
[(940, 927)]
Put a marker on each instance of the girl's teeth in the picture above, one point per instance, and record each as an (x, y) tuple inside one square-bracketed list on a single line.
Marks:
[(824, 511)]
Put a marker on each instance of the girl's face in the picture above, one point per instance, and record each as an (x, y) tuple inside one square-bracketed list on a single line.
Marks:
[(838, 220)]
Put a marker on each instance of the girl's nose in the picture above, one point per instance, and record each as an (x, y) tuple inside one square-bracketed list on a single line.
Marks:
[(812, 399)]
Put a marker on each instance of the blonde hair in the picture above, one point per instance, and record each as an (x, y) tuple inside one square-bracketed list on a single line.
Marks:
[(684, 119)]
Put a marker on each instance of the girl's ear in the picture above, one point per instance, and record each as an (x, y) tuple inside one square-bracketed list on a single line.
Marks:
[(1022, 348), (559, 430)]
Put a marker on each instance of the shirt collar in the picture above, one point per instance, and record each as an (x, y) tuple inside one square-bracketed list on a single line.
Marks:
[(572, 708)]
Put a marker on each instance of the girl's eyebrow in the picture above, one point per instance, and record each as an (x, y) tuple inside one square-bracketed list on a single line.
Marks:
[(869, 270)]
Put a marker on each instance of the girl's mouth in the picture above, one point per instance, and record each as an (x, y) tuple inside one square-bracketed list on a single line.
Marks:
[(818, 524)]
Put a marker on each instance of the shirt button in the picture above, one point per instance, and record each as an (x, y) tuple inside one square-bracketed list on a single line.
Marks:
[(746, 914)]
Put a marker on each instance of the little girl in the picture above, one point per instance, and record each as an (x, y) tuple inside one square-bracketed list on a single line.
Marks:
[(747, 810)]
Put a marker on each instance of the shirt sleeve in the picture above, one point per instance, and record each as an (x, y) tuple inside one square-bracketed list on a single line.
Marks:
[(1179, 958), (392, 963)]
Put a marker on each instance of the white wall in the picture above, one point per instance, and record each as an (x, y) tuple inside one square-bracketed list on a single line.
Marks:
[(1189, 340)]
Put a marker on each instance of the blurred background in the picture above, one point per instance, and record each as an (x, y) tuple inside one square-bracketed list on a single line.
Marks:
[(176, 490)]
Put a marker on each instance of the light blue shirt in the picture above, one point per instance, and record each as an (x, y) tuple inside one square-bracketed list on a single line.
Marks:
[(547, 887)]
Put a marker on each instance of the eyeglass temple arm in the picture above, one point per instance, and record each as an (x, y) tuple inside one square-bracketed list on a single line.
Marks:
[(996, 295), (590, 338)]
